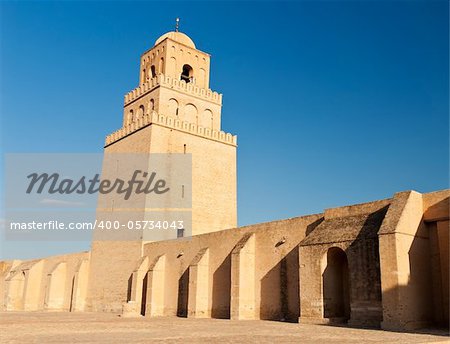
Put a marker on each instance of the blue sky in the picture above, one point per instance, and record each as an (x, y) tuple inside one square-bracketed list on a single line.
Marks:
[(334, 103)]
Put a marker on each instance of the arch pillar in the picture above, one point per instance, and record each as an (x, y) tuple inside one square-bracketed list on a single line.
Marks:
[(56, 279), (154, 303), (199, 288), (243, 279)]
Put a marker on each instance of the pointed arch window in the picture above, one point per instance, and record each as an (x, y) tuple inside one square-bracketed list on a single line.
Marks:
[(130, 117), (141, 111)]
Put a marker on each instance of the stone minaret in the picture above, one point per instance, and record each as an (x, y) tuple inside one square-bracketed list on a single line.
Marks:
[(171, 111)]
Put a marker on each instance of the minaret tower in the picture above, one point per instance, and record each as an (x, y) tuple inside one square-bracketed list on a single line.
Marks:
[(172, 110)]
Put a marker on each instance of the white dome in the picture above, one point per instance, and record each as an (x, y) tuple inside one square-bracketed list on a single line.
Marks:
[(177, 37)]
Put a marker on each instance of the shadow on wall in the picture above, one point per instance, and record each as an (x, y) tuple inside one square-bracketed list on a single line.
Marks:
[(183, 294), (280, 290), (422, 300), (72, 294), (144, 294), (408, 324), (313, 225), (221, 290), (364, 274), (129, 286)]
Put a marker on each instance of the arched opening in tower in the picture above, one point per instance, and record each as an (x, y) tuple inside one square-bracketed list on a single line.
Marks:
[(187, 74)]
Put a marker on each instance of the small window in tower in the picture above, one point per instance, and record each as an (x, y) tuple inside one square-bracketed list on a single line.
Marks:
[(153, 69), (188, 73), (180, 232), (141, 111), (173, 107), (130, 117)]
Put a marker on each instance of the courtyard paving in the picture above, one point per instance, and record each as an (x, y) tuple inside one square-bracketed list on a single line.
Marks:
[(47, 327)]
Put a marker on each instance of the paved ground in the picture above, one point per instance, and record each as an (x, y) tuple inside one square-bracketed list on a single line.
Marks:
[(38, 327)]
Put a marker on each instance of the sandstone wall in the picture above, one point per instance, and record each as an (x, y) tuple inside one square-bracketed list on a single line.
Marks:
[(45, 284), (409, 272), (353, 230), (261, 260), (395, 262), (436, 213)]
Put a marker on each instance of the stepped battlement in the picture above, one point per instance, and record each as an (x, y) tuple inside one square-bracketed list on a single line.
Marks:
[(179, 85), (173, 123)]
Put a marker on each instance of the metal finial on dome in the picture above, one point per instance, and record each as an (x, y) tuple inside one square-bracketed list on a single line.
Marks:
[(177, 25)]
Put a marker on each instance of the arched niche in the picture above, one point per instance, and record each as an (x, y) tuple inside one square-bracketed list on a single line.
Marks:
[(335, 285)]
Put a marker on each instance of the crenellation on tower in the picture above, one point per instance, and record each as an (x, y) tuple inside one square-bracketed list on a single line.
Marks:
[(174, 97), (180, 85), (170, 122)]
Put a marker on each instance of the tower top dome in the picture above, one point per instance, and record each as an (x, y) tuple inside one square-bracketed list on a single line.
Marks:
[(177, 37)]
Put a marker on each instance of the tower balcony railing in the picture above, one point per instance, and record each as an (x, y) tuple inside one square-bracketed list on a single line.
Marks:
[(173, 123), (179, 85)]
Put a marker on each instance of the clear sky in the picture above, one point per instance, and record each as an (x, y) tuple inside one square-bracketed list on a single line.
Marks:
[(334, 103)]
